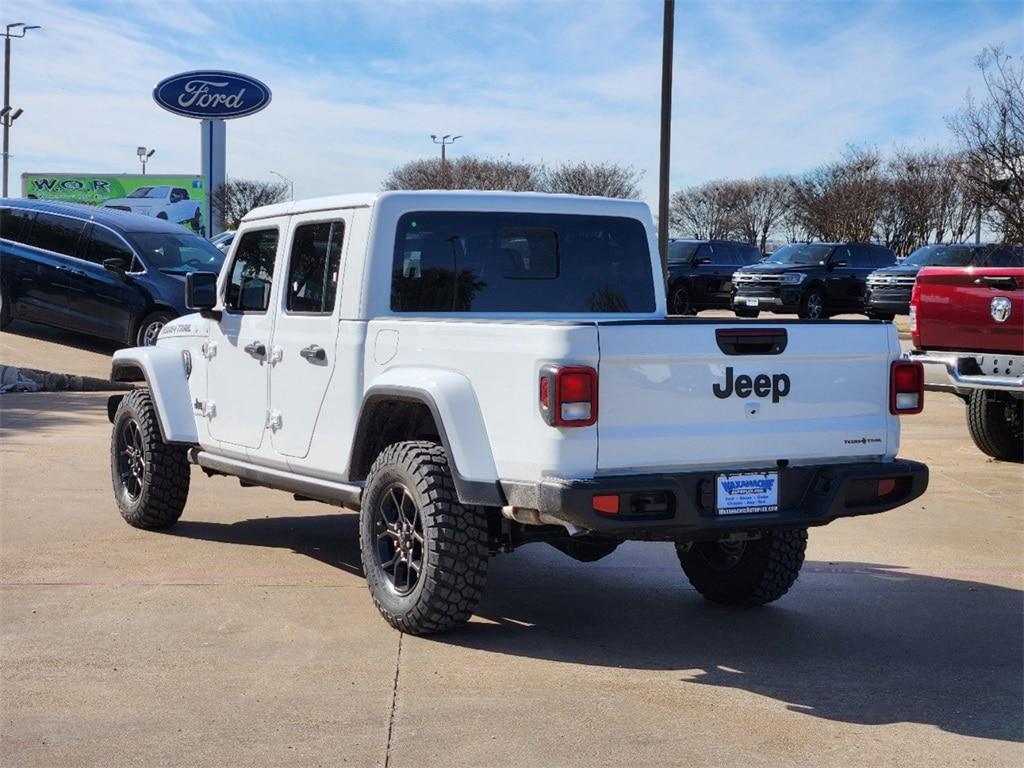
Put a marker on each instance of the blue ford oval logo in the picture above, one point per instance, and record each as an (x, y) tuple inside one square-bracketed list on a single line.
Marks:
[(211, 95)]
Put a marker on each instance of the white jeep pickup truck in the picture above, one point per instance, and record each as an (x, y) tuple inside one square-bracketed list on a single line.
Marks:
[(476, 371)]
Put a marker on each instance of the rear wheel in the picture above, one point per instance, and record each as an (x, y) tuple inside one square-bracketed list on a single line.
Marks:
[(423, 553), (744, 312), (679, 301), (150, 477), (747, 573), (887, 316), (812, 307), (996, 423)]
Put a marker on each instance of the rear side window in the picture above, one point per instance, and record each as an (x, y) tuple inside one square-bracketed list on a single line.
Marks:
[(446, 261), (860, 256), (313, 269), (725, 255), (104, 245), (15, 224), (749, 254), (1006, 257), (252, 272), (59, 234)]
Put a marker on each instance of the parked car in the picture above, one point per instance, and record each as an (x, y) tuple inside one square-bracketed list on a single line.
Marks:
[(969, 324), (111, 274), (814, 280), (487, 370), (223, 240), (700, 273), (889, 289), (162, 202)]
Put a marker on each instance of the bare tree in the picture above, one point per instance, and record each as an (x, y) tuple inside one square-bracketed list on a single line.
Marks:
[(990, 135), (236, 197), (956, 210), (465, 173), (706, 212), (842, 200), (594, 179), (760, 205)]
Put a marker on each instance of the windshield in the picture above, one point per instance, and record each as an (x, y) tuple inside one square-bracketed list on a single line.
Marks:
[(800, 253), (941, 256), (682, 252), (150, 192), (177, 254)]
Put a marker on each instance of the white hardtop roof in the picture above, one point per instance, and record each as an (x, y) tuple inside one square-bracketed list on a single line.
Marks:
[(495, 200)]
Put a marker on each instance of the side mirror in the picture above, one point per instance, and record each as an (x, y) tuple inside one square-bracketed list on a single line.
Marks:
[(118, 266), (201, 293)]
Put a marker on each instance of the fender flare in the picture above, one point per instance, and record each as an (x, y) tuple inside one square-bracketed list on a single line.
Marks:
[(164, 374), (452, 402)]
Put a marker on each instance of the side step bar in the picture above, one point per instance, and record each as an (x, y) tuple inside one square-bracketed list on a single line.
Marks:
[(339, 494)]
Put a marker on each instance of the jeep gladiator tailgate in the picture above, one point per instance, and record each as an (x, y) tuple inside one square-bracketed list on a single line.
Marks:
[(685, 393)]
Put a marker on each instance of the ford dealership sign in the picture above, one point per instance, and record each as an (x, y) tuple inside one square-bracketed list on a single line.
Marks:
[(211, 95)]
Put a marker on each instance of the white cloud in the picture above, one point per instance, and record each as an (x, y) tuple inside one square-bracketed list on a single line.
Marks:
[(542, 81)]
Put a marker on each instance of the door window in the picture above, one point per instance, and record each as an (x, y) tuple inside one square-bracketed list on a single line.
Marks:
[(725, 255), (882, 257), (1006, 257), (104, 245), (859, 257), (15, 224), (252, 272), (177, 195), (313, 268), (59, 234)]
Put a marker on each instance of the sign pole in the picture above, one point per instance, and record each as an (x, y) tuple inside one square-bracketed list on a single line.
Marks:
[(214, 141)]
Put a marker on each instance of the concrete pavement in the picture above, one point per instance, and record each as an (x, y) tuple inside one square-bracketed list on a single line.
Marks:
[(245, 636)]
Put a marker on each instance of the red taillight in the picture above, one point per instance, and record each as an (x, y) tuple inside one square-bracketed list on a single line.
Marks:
[(568, 396), (607, 504), (906, 387)]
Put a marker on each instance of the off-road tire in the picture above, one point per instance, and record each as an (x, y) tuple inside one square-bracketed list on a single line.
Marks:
[(808, 309), (764, 570), (5, 307), (454, 549), (994, 421), (165, 480)]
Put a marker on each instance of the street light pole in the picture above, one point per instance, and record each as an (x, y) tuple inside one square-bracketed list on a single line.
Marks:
[(666, 130), (289, 182), (13, 30), (144, 156), (444, 141)]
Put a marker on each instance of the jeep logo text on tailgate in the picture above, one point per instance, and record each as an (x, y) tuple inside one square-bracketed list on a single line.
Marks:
[(761, 385)]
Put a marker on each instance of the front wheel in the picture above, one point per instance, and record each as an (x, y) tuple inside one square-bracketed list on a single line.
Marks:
[(150, 327), (747, 573), (423, 553), (813, 306), (150, 477), (996, 423)]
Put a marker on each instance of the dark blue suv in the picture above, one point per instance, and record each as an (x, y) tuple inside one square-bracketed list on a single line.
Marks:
[(101, 272)]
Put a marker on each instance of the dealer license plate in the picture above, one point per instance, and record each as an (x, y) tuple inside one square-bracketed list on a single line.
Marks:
[(747, 494), (751, 302)]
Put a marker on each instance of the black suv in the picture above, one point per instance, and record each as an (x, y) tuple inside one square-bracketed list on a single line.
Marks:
[(889, 289), (117, 275), (814, 280), (700, 273)]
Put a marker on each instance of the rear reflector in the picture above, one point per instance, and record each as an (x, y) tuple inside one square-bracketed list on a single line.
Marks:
[(906, 387), (607, 504), (886, 486), (568, 396)]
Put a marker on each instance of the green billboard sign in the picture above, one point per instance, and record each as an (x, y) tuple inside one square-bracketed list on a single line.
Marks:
[(179, 198)]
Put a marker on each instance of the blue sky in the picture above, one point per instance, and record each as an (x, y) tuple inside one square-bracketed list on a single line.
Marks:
[(760, 86)]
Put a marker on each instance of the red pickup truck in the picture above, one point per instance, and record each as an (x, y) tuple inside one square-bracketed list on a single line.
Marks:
[(971, 323)]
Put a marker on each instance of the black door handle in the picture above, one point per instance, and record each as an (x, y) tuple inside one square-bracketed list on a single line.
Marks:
[(313, 352), (256, 349)]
